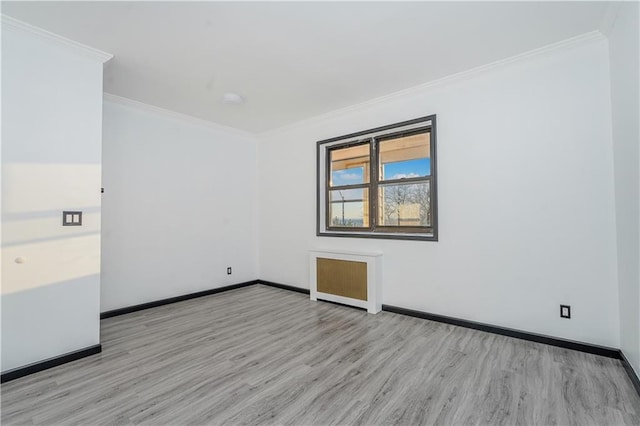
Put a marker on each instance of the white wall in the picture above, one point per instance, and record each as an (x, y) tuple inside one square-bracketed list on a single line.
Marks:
[(178, 207), (623, 54), (51, 149), (526, 199)]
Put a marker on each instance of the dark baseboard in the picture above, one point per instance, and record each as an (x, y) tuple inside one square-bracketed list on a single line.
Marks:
[(631, 372), (16, 373), (540, 338), (343, 304), (284, 286), (155, 303)]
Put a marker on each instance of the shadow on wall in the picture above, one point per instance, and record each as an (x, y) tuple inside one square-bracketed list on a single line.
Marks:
[(36, 249), (54, 318), (50, 295), (32, 225)]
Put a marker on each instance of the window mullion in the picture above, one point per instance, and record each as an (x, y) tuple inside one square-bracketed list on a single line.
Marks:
[(327, 188), (346, 187), (373, 181)]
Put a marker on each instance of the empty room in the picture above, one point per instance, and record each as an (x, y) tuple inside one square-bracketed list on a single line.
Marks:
[(314, 213)]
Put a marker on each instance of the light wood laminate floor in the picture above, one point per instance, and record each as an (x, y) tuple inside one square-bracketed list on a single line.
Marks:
[(260, 355)]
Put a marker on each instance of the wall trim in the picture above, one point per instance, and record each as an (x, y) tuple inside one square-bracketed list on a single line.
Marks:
[(539, 338), (170, 300), (9, 22), (635, 380), (609, 18), (510, 332), (569, 43), (524, 335), (121, 100), (161, 302), (284, 287), (16, 373)]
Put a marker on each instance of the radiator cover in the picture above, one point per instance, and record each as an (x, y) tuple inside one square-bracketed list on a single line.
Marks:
[(350, 278)]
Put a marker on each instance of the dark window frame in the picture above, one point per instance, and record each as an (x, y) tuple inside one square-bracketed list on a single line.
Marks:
[(329, 188), (373, 137)]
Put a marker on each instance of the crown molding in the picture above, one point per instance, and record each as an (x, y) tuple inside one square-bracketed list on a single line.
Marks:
[(110, 97), (569, 43), (15, 24), (609, 18)]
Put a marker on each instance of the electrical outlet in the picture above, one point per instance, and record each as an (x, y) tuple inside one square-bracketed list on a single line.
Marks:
[(229, 270), (565, 311)]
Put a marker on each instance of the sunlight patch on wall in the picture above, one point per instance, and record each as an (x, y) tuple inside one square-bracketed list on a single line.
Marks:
[(36, 249)]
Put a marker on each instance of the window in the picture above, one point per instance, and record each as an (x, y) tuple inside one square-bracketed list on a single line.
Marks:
[(380, 183)]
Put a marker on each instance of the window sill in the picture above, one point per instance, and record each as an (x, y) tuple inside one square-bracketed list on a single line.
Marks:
[(379, 235)]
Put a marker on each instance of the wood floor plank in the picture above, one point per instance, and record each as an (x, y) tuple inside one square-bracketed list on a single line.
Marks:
[(260, 355)]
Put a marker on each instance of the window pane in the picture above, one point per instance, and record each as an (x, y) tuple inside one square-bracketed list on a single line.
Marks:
[(349, 166), (405, 157), (405, 204), (349, 195), (349, 208)]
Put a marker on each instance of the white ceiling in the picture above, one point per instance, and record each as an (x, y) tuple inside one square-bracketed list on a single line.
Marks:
[(294, 60)]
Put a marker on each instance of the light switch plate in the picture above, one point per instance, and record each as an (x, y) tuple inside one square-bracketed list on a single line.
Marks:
[(565, 311), (71, 218)]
